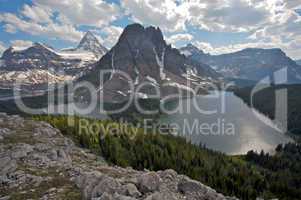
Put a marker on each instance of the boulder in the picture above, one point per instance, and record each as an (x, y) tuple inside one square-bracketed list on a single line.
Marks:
[(108, 185), (148, 182), (131, 190)]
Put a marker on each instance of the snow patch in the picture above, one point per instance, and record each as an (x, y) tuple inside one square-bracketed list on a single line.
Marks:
[(121, 93), (152, 80), (186, 53), (112, 65), (141, 95), (35, 76), (174, 84), (160, 62)]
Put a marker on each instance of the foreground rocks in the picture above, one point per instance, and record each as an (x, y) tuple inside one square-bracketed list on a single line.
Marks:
[(38, 162)]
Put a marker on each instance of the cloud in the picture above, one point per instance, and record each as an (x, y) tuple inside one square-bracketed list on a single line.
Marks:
[(57, 19), (112, 34), (228, 16), (37, 14), (21, 43), (83, 12), (169, 15), (51, 29), (265, 22), (206, 47), (181, 37), (2, 48)]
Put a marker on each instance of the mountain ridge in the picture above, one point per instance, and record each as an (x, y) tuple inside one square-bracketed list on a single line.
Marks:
[(250, 63), (143, 54), (24, 61)]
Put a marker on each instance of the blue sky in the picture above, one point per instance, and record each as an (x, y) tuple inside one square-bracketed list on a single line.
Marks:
[(218, 26)]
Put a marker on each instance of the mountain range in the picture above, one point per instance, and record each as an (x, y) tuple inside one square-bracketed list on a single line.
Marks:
[(143, 54), (251, 63), (39, 63)]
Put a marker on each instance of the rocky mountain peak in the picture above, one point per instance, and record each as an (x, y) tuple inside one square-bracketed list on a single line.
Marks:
[(87, 39), (143, 54), (136, 33), (90, 43), (191, 50)]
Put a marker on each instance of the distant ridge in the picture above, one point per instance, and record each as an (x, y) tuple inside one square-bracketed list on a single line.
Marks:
[(251, 63)]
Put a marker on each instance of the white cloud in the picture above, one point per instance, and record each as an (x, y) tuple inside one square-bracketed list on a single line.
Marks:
[(169, 15), (204, 46), (208, 48), (51, 29), (37, 14), (60, 19), (112, 34), (9, 28), (229, 15), (83, 12), (21, 43), (181, 37), (2, 48), (272, 23)]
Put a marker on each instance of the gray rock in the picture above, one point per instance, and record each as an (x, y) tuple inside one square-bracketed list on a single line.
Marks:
[(131, 190), (4, 132), (117, 196), (148, 182), (5, 198), (7, 165), (168, 174), (21, 151), (104, 196), (187, 186), (87, 182), (108, 185), (161, 196)]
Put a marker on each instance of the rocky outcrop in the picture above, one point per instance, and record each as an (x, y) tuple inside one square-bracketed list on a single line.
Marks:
[(38, 162)]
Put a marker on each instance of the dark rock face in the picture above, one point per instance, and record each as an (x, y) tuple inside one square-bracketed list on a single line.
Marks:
[(253, 64), (143, 54), (298, 62)]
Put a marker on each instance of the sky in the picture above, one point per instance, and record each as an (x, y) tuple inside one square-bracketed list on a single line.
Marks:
[(215, 26)]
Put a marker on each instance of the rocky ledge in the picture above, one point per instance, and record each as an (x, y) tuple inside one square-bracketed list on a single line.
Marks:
[(38, 162)]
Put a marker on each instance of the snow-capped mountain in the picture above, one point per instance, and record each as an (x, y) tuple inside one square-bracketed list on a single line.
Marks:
[(298, 62), (143, 54), (60, 65), (89, 44), (92, 44), (251, 63)]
